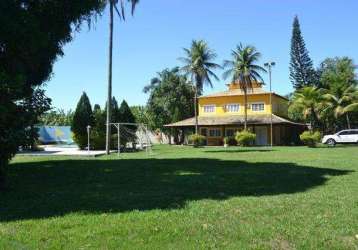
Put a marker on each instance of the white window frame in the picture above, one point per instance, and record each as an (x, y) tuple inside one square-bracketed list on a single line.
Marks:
[(257, 103), (232, 104), (211, 106)]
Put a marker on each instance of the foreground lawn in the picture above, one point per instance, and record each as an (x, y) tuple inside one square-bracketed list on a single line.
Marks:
[(184, 198)]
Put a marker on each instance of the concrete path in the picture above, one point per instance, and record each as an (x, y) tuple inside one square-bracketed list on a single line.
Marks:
[(63, 151)]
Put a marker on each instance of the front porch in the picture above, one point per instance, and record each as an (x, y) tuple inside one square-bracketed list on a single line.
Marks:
[(284, 131), (282, 134)]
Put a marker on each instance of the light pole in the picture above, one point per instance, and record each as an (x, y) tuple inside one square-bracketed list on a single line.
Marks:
[(269, 65), (88, 138)]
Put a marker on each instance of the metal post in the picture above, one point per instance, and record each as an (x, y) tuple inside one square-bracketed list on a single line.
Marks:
[(119, 138), (271, 127), (109, 90), (145, 134), (269, 65), (88, 139)]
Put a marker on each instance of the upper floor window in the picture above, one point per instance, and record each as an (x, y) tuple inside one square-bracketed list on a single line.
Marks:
[(258, 106), (232, 108), (209, 108)]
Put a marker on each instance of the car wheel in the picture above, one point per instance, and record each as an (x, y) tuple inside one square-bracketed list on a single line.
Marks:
[(331, 142)]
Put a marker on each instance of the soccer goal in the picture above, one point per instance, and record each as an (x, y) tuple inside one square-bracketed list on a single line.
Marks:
[(133, 135)]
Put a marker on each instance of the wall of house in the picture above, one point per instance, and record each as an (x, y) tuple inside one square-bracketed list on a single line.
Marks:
[(279, 105), (283, 134)]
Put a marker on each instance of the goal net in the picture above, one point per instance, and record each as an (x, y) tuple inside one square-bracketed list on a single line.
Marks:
[(134, 136)]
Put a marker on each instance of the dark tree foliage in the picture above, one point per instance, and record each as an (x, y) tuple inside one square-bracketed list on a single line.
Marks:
[(171, 99), (115, 110), (34, 107), (122, 114), (32, 36), (125, 113), (98, 131), (302, 73), (82, 117), (56, 118), (96, 108), (126, 116)]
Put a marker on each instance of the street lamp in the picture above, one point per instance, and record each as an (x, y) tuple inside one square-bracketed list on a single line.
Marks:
[(88, 138), (269, 65)]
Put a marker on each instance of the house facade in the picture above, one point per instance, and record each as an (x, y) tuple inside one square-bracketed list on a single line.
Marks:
[(222, 115)]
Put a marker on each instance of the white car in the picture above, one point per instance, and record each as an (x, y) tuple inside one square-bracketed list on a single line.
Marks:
[(344, 136)]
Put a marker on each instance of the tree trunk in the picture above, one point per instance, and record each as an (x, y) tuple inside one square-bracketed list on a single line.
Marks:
[(195, 110), (109, 94), (245, 109), (182, 136), (348, 121), (170, 137)]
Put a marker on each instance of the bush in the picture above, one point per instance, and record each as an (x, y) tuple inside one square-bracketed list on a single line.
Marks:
[(310, 138), (197, 140), (230, 140), (98, 140), (82, 117), (245, 138)]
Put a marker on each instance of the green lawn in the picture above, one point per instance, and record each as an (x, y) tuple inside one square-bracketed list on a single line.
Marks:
[(184, 198)]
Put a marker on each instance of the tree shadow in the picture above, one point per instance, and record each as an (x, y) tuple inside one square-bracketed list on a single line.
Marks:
[(57, 187)]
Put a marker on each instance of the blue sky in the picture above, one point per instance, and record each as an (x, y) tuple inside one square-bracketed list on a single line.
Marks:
[(153, 40)]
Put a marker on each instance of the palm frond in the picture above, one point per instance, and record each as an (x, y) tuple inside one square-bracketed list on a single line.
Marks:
[(198, 63), (121, 10), (351, 108)]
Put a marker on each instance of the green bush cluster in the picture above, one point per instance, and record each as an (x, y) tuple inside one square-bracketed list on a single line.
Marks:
[(245, 138), (230, 140), (197, 140), (310, 138), (84, 116)]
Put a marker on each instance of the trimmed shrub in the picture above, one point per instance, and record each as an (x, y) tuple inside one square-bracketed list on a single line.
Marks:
[(197, 140), (245, 138), (310, 138), (82, 117), (230, 140)]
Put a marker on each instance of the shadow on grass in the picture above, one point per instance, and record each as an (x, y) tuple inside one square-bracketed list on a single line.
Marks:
[(54, 188)]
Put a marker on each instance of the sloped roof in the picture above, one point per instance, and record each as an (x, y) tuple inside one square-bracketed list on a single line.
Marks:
[(233, 120)]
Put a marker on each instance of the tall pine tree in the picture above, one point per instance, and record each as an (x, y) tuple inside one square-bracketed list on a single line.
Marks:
[(302, 73), (127, 131), (82, 117), (115, 111)]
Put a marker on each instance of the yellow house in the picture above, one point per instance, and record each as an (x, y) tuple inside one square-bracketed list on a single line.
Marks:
[(222, 115)]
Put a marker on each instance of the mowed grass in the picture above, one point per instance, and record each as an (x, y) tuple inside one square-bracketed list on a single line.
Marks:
[(184, 198)]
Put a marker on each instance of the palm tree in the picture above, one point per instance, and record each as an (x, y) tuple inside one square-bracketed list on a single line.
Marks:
[(199, 66), (166, 75), (310, 100), (243, 70), (121, 13), (343, 102)]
